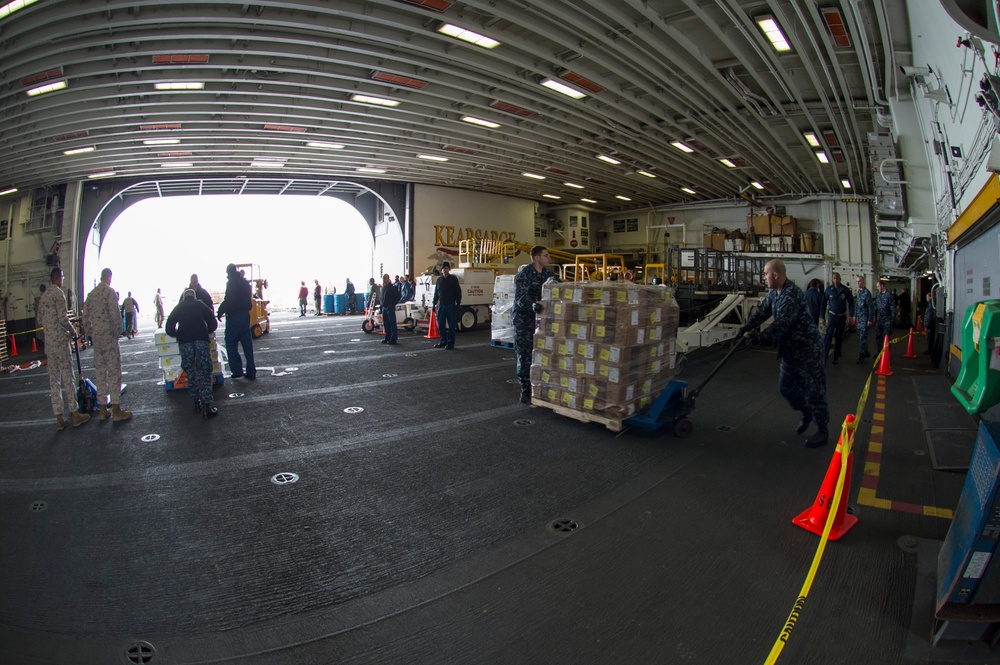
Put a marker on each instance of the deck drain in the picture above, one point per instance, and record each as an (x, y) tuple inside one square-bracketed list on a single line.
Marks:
[(919, 452), (389, 376), (564, 526), (38, 506), (353, 409), (724, 428), (524, 422), (149, 438), (140, 653), (284, 478), (235, 395)]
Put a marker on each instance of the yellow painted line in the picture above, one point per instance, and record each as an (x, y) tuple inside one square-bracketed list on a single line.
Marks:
[(866, 497), (931, 511), (872, 468), (875, 447), (877, 430)]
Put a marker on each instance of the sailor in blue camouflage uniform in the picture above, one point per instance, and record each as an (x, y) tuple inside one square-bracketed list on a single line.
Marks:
[(838, 301), (802, 375), (863, 317), (528, 291), (885, 313), (192, 323)]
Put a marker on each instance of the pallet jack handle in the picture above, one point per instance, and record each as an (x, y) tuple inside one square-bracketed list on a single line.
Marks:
[(738, 344)]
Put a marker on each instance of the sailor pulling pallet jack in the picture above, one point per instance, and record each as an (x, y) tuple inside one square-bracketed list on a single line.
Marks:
[(802, 375)]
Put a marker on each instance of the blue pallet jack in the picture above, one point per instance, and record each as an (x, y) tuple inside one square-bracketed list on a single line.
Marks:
[(675, 403)]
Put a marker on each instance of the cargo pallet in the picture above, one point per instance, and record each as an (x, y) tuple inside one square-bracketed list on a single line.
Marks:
[(613, 424), (218, 380), (503, 344)]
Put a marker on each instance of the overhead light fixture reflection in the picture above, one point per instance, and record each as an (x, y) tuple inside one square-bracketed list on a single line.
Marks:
[(370, 169), (180, 85), (12, 7), (467, 35), (688, 190), (573, 185), (79, 151), (562, 88), (480, 122), (328, 146), (433, 158), (551, 196), (161, 141), (609, 160), (821, 156), (680, 146), (377, 101), (756, 185), (811, 139), (533, 175), (728, 162), (845, 183), (177, 165), (8, 191), (589, 200), (623, 198), (101, 174), (646, 173), (773, 32), (48, 87)]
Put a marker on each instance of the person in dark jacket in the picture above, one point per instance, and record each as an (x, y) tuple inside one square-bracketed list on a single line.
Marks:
[(191, 322), (814, 299), (802, 375), (838, 303), (352, 308), (527, 291), (200, 293), (390, 296), (447, 300), (236, 308)]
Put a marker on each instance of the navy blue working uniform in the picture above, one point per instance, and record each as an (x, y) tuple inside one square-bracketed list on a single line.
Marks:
[(837, 304), (390, 296), (236, 308), (885, 314), (191, 322), (864, 312), (447, 300), (527, 291)]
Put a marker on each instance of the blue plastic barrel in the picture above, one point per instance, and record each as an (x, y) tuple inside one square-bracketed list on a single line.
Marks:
[(328, 303), (339, 303), (359, 302)]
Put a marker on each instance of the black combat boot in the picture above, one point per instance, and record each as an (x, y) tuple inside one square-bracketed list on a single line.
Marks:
[(526, 394), (820, 438), (807, 418)]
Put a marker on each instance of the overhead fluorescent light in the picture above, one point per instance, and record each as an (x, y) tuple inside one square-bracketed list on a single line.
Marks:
[(269, 162), (12, 7), (647, 174), (433, 158), (328, 146), (821, 156), (377, 101), (728, 162), (811, 139), (101, 174), (845, 183), (467, 35), (680, 146), (177, 165), (480, 121), (757, 185), (180, 85), (609, 160), (688, 190), (161, 141), (573, 185), (80, 151), (551, 196), (370, 169), (533, 175), (8, 191), (563, 88), (623, 198), (48, 87), (773, 32), (589, 200)]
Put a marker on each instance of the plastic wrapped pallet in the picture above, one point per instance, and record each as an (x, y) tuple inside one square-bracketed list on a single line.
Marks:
[(606, 348), (503, 310), (169, 352)]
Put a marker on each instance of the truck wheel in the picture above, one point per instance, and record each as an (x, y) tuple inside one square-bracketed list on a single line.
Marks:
[(368, 325), (256, 331), (409, 324), (467, 319)]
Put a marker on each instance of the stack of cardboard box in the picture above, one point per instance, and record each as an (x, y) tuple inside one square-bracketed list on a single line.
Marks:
[(604, 348), (169, 352)]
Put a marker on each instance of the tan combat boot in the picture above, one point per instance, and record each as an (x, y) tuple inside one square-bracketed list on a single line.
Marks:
[(80, 418), (60, 423), (117, 414), (104, 413)]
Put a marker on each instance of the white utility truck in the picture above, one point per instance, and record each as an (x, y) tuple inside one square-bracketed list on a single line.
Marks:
[(477, 297)]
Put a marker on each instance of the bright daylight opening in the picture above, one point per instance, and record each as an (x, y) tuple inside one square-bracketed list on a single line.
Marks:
[(159, 243)]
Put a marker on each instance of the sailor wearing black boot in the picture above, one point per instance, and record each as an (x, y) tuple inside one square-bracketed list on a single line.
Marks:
[(527, 292), (191, 322), (802, 375)]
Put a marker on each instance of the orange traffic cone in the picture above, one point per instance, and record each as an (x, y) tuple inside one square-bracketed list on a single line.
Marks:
[(909, 347), (815, 517), (920, 324), (432, 329), (883, 367), (13, 347), (34, 346)]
